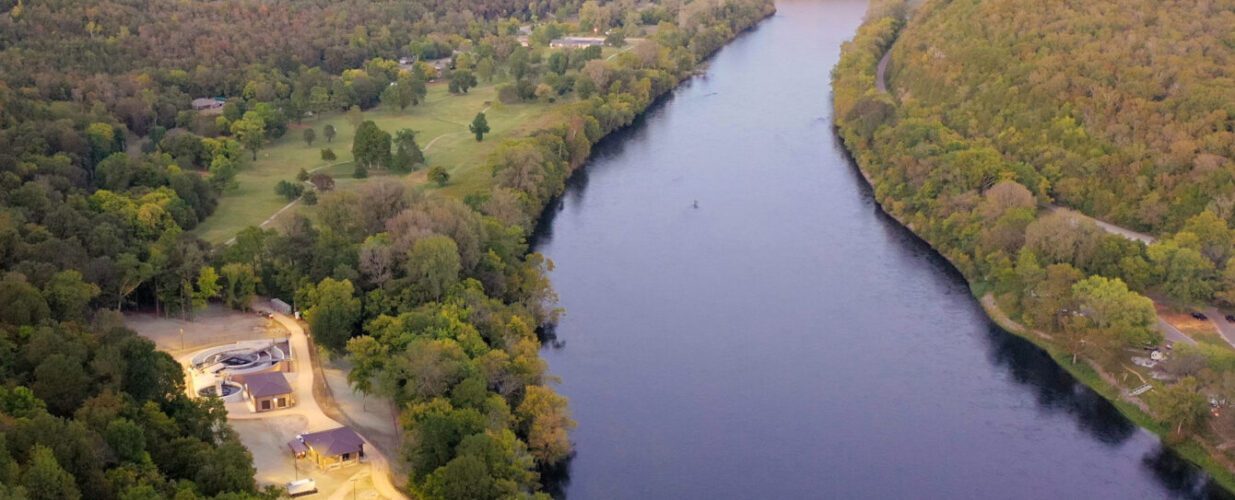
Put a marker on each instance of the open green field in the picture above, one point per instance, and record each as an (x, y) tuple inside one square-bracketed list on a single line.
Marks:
[(441, 130)]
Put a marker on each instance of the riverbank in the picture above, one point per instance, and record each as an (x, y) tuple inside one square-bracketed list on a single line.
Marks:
[(866, 93)]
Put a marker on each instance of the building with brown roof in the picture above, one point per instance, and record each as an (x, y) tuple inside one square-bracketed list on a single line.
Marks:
[(329, 449), (267, 391)]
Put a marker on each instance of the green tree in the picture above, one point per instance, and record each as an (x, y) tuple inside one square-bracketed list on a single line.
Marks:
[(250, 131), (61, 382), (334, 313), (1186, 275), (545, 421), (1182, 406), (461, 81), (329, 132), (1116, 311), (239, 285), (479, 126), (355, 116), (69, 296), (1214, 239), (207, 287), (439, 175), (433, 265), (309, 136), (126, 440), (328, 155), (407, 152), (288, 190), (434, 430), (371, 145), (1227, 284), (484, 70), (223, 172), (462, 477), (368, 358), (44, 479)]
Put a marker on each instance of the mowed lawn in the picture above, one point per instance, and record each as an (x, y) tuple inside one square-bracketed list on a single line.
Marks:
[(441, 125)]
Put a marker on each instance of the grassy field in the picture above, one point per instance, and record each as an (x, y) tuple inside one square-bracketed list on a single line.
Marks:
[(441, 130)]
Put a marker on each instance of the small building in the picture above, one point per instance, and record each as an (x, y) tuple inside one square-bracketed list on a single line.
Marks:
[(208, 103), (576, 42), (267, 391), (280, 306), (329, 449)]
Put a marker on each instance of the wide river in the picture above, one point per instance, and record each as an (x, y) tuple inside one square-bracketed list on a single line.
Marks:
[(783, 338)]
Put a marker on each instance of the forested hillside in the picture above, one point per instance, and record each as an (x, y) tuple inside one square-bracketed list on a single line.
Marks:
[(105, 166), (996, 111), (1125, 109)]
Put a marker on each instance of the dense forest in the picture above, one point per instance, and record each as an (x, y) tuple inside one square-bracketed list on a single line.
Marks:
[(105, 167), (997, 113)]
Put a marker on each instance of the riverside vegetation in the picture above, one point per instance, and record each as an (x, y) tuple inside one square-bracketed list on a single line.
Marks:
[(1123, 111), (105, 170)]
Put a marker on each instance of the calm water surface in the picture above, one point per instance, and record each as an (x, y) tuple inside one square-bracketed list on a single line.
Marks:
[(786, 339)]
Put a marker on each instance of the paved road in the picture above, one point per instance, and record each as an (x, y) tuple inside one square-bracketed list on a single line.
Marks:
[(1173, 334), (881, 82), (1106, 226), (1225, 328)]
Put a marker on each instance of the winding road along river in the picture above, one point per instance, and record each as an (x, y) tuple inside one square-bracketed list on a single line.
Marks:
[(784, 338)]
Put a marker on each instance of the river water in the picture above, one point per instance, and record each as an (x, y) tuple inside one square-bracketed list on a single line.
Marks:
[(785, 338)]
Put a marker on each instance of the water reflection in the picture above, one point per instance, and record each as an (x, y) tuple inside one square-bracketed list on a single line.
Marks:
[(788, 339)]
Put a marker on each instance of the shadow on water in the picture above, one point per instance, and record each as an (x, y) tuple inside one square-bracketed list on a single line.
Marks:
[(609, 147), (1055, 390)]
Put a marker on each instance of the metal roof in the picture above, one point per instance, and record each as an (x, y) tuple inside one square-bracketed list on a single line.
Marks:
[(333, 442), (262, 385)]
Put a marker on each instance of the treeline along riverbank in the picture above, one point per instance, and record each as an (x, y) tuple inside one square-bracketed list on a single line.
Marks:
[(981, 192), (106, 164)]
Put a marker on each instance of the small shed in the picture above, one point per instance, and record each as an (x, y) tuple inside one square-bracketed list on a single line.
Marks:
[(268, 391), (332, 448), (208, 103), (280, 306)]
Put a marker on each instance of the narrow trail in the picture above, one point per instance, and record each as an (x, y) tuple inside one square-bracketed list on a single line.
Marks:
[(881, 81)]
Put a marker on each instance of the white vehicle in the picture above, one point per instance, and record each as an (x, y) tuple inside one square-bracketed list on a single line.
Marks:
[(301, 487)]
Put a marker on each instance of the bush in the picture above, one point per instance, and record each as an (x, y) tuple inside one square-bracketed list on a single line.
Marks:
[(360, 172), (507, 94), (328, 155), (439, 175), (289, 190)]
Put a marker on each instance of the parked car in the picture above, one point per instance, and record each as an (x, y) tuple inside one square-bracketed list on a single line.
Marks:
[(301, 487), (1198, 315), (1231, 318)]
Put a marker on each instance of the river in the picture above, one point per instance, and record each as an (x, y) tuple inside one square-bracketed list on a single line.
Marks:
[(786, 339)]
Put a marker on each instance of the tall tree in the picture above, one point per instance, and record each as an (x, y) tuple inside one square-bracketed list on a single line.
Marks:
[(250, 131), (371, 146), (334, 313), (479, 126), (46, 479)]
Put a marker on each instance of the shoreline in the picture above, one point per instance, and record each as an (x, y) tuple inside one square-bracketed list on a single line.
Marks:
[(1194, 450), (1197, 452)]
